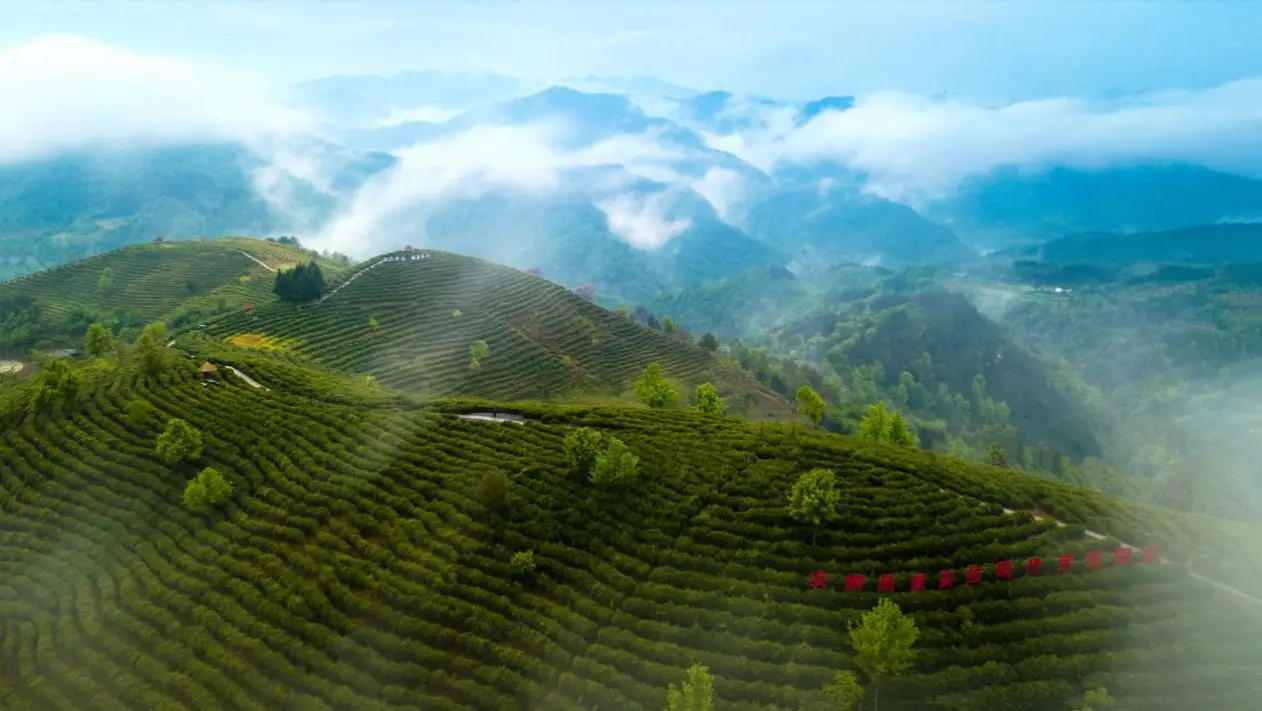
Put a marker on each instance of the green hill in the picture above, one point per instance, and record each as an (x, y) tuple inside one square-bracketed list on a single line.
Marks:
[(125, 288), (542, 340), (357, 566)]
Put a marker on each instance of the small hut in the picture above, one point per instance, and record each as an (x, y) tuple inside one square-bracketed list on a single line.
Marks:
[(208, 368)]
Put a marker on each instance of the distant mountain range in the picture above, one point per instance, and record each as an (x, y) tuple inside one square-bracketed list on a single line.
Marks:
[(635, 186)]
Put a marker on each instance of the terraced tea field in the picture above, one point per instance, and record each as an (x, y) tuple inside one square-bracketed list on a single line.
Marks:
[(543, 340), (152, 280), (355, 568)]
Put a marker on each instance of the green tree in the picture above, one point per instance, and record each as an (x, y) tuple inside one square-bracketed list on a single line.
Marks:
[(98, 341), (304, 282), (996, 456), (1096, 700), (105, 283), (622, 310), (477, 351), (372, 324), (138, 411), (179, 442), (845, 693), (522, 563), (810, 404), (814, 498), (455, 313), (708, 402), (493, 490), (582, 446), (882, 644), (875, 425), (208, 489), (899, 433), (654, 390), (709, 342), (615, 464), (668, 325), (150, 349), (695, 694), (58, 382)]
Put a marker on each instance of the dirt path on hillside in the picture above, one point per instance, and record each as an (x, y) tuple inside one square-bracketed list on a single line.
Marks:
[(1100, 537), (261, 263), (251, 381), (494, 417), (347, 283)]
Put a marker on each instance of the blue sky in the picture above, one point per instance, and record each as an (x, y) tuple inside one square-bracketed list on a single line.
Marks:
[(983, 51)]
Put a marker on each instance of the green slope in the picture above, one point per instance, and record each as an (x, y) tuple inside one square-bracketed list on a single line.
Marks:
[(543, 340), (181, 280), (355, 569)]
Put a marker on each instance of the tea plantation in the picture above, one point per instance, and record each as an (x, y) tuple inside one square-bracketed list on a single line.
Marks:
[(410, 323), (376, 551), (356, 566)]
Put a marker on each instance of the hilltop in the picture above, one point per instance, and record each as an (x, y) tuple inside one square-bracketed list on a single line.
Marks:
[(169, 280), (410, 319)]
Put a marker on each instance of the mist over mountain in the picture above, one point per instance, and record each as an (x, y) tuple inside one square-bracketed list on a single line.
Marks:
[(688, 184)]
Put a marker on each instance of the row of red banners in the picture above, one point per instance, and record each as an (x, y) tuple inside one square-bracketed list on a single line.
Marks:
[(855, 582)]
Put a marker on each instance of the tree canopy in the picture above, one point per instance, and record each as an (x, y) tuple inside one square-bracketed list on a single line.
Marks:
[(708, 402), (179, 442), (207, 490), (815, 497), (302, 283), (810, 404), (695, 694), (654, 390)]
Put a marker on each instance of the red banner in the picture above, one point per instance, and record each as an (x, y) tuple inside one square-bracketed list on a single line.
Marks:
[(973, 574)]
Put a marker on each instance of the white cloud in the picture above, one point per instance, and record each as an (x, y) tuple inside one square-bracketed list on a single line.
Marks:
[(485, 158), (912, 147), (424, 114), (641, 221), (62, 92)]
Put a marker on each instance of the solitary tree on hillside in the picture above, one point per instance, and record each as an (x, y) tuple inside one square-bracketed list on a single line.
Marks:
[(875, 424), (105, 282), (709, 342), (1096, 700), (899, 433), (615, 464), (179, 442), (654, 390), (814, 498), (810, 404), (150, 348), (98, 341), (845, 693), (668, 324), (882, 644), (372, 324), (477, 351), (582, 446), (996, 456), (492, 491), (208, 489), (695, 694), (708, 402)]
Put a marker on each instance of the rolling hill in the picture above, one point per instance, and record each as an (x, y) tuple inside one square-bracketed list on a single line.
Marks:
[(360, 565), (542, 340), (360, 562), (125, 288)]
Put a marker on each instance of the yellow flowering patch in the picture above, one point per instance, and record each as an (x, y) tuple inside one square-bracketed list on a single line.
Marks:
[(258, 342)]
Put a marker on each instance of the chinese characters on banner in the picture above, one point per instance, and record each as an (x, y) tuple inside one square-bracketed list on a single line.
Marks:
[(974, 574)]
